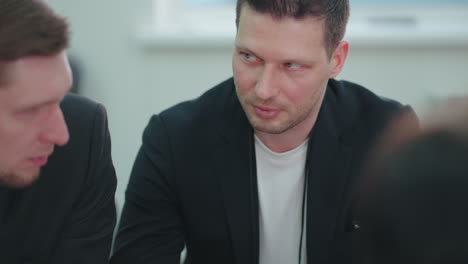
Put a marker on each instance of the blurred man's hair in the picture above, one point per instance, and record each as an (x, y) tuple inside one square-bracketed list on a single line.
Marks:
[(29, 28), (334, 12)]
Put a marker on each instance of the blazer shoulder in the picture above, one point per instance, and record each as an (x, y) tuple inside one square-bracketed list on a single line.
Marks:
[(352, 95), (87, 125), (80, 109), (201, 111), (356, 108), (356, 103), (77, 102)]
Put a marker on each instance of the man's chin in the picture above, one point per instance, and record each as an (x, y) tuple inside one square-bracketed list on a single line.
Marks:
[(269, 129), (18, 180)]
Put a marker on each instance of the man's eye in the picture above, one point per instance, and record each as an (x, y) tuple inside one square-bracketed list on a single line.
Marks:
[(293, 66), (248, 56), (36, 110), (31, 110)]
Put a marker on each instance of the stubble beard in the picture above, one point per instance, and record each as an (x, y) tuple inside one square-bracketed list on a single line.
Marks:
[(283, 125), (17, 180)]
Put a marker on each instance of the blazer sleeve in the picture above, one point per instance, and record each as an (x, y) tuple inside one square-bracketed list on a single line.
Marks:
[(87, 233), (150, 229)]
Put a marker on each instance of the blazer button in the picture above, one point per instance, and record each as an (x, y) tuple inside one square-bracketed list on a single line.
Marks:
[(356, 225)]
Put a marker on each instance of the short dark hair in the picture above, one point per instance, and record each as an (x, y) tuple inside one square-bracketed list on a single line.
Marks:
[(30, 28), (334, 12)]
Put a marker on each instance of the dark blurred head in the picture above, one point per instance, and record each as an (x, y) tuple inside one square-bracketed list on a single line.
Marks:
[(413, 206), (29, 28), (334, 12)]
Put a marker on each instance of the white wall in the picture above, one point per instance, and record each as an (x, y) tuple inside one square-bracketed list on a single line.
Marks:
[(134, 83)]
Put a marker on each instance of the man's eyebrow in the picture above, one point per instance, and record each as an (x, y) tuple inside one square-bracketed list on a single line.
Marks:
[(241, 48), (309, 62)]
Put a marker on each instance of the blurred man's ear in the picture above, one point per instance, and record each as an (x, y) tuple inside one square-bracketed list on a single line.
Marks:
[(339, 57)]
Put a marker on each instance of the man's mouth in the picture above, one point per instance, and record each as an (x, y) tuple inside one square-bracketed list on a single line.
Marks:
[(40, 160), (266, 112)]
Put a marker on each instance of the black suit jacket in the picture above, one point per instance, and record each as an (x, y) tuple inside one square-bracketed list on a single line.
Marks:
[(68, 214), (194, 180)]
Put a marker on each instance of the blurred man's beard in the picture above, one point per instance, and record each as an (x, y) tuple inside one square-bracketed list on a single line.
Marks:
[(17, 180)]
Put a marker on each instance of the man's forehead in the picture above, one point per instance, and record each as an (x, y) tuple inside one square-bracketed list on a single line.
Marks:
[(5, 72), (16, 99), (10, 70), (292, 39), (35, 80)]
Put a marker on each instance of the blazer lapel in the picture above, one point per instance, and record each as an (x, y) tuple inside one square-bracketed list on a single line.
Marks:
[(238, 183), (328, 161)]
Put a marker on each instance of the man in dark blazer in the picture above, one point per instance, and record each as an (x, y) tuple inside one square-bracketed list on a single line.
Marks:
[(56, 206), (210, 171), (68, 214)]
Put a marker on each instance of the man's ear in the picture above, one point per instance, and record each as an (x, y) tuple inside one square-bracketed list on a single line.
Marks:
[(338, 58)]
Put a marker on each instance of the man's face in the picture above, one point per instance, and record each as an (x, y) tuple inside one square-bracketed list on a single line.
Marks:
[(31, 121), (281, 70)]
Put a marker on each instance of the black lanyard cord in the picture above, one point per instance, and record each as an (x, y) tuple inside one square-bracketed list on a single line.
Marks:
[(304, 195)]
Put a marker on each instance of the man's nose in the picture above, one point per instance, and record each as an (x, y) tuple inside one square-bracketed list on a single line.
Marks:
[(267, 83), (56, 130)]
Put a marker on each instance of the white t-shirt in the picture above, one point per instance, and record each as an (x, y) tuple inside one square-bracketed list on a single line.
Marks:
[(280, 179)]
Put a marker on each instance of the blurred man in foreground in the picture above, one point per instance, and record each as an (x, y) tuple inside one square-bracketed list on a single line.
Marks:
[(414, 203)]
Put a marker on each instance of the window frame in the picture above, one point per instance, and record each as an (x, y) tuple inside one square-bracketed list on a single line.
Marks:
[(176, 25)]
